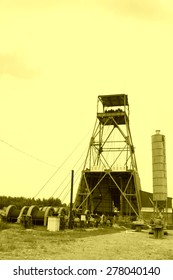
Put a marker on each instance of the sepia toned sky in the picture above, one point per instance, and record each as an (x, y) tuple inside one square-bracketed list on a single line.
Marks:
[(56, 57)]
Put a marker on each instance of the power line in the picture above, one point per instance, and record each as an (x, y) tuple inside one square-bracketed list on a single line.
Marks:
[(67, 185), (60, 166), (25, 153), (68, 174), (60, 186), (68, 191)]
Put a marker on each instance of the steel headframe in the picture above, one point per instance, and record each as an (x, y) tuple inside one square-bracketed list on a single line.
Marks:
[(110, 152)]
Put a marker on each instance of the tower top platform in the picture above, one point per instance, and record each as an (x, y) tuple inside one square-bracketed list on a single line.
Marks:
[(114, 100)]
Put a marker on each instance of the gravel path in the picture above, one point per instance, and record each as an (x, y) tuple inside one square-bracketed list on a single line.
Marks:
[(127, 245)]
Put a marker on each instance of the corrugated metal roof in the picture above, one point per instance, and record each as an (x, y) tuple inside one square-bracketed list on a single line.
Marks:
[(147, 197), (114, 100)]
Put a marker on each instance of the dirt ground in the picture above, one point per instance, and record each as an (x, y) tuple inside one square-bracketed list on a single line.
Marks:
[(89, 244)]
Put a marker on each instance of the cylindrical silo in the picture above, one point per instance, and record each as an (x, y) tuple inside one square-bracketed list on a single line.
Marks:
[(159, 167)]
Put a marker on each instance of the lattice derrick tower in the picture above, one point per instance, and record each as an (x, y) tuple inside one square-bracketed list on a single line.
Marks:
[(110, 178)]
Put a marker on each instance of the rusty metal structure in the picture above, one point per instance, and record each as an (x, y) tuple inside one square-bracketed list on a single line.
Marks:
[(33, 215), (38, 216), (109, 180)]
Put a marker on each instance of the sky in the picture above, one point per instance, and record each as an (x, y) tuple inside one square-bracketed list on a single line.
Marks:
[(56, 57)]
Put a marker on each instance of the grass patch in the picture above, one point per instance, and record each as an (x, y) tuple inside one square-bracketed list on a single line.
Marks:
[(29, 239), (33, 244), (2, 248), (7, 247), (3, 226)]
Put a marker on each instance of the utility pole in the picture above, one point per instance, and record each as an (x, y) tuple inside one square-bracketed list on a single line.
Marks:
[(71, 201)]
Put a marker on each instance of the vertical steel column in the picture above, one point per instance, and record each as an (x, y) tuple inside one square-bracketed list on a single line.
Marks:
[(71, 201)]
